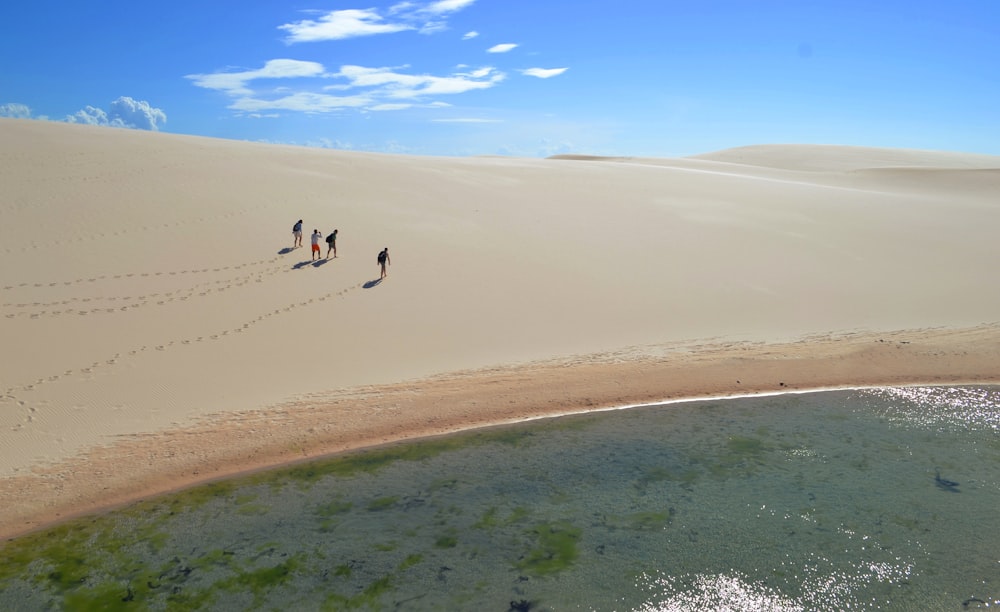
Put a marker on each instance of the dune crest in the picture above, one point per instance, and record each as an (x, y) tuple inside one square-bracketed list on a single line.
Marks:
[(839, 158)]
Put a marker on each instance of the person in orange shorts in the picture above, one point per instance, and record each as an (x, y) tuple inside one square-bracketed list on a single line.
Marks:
[(316, 237)]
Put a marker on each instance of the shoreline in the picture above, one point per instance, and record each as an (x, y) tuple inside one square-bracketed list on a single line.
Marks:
[(314, 426)]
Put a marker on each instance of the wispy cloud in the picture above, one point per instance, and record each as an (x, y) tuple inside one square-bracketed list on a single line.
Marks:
[(396, 85), (290, 85), (448, 6), (337, 25), (303, 101), (501, 48), (235, 83), (352, 87), (389, 107), (466, 120), (543, 73), (424, 17)]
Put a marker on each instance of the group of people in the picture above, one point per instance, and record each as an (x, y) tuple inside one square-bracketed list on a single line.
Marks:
[(331, 246)]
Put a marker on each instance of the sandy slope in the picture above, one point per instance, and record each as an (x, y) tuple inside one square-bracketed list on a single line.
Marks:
[(147, 286)]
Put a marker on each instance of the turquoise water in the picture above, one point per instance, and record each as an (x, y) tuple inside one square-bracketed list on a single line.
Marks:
[(866, 499)]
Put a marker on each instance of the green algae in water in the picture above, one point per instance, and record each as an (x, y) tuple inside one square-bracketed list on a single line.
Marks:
[(568, 514), (382, 503), (555, 549), (449, 539)]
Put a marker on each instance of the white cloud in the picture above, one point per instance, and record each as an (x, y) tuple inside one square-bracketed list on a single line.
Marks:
[(425, 18), (124, 112), (337, 25), (358, 87), (466, 120), (448, 6), (470, 35), (389, 107), (501, 48), (543, 73), (235, 83), (481, 73), (15, 111), (305, 102), (395, 85), (136, 114)]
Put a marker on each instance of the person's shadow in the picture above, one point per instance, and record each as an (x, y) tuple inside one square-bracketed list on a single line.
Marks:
[(286, 250), (372, 283), (319, 262), (302, 264)]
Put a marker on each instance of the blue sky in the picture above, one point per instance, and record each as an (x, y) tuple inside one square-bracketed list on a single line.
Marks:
[(515, 77)]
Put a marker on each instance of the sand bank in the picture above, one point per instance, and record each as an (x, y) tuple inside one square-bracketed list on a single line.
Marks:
[(158, 330)]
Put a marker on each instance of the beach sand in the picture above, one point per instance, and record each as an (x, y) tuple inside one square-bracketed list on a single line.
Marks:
[(158, 331)]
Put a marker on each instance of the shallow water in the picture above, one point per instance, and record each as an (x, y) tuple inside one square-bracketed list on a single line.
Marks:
[(874, 499)]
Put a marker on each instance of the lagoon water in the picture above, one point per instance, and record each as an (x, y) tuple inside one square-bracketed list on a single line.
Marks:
[(860, 499)]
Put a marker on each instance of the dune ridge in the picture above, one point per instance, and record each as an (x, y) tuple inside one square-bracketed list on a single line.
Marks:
[(158, 330)]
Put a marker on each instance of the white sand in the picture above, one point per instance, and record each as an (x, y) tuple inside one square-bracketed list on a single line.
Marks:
[(144, 288)]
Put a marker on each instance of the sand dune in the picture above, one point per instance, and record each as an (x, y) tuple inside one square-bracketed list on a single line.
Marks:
[(148, 288)]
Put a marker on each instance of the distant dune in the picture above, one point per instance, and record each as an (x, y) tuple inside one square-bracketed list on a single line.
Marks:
[(832, 158), (158, 329)]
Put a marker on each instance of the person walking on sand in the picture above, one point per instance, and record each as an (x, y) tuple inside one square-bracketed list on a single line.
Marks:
[(315, 244), (331, 244), (383, 261), (297, 234)]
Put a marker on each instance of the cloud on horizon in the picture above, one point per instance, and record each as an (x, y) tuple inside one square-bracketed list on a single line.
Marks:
[(125, 112), (15, 111)]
